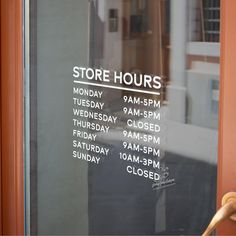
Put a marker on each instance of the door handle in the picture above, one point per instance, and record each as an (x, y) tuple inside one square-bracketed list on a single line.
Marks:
[(227, 211)]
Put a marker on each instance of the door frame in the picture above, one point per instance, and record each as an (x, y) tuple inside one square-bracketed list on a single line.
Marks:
[(227, 116), (11, 115), (11, 97)]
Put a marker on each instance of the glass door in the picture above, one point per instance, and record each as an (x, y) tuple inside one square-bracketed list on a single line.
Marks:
[(121, 118)]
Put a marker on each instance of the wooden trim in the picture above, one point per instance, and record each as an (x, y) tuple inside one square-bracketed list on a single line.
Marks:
[(0, 140), (12, 116), (227, 126)]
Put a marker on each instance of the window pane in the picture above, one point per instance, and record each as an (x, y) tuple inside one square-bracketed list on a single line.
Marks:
[(123, 98)]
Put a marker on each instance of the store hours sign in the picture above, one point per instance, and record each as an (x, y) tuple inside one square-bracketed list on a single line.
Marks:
[(112, 108)]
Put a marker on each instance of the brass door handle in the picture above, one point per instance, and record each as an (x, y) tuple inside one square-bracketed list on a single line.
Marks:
[(227, 211)]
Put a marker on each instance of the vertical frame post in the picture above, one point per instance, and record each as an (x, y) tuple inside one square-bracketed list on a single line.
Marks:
[(227, 126), (12, 194)]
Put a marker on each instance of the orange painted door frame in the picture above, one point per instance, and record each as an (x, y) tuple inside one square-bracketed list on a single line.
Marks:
[(11, 115), (227, 127), (11, 97), (0, 141)]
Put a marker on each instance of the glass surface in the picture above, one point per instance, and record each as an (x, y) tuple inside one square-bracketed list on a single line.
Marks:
[(123, 116)]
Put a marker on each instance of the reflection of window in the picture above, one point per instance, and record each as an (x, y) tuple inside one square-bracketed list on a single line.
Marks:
[(205, 24), (136, 17), (113, 20), (211, 18)]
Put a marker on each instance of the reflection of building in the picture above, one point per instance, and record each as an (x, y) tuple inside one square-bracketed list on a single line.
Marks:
[(179, 41), (193, 90), (173, 39), (203, 54), (145, 37)]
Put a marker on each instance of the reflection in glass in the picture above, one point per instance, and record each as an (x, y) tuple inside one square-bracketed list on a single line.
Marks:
[(179, 42), (176, 40)]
